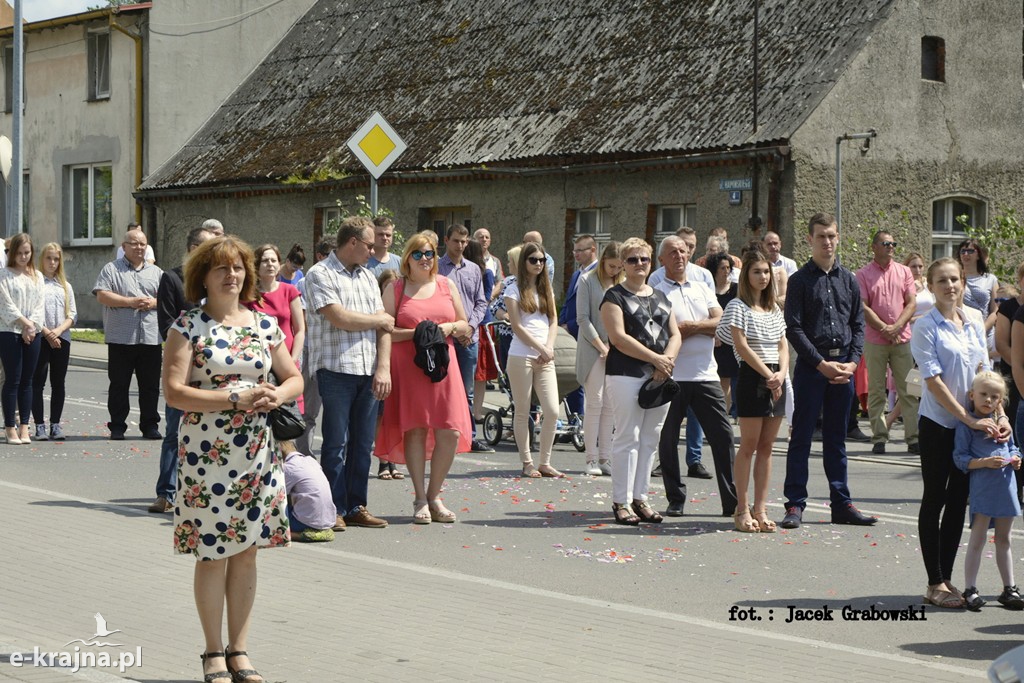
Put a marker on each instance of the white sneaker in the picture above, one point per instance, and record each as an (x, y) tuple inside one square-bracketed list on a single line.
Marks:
[(592, 469), (605, 467)]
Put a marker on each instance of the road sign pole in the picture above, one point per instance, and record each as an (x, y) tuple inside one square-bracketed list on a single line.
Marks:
[(373, 195)]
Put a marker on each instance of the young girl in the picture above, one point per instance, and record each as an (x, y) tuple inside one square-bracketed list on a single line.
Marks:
[(59, 312), (22, 307), (993, 488)]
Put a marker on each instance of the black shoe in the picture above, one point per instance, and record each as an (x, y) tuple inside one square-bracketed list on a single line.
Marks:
[(115, 434), (480, 447), (857, 436), (913, 449), (972, 600), (152, 434), (674, 510), (851, 515), (878, 449), (1010, 598), (656, 472), (698, 471), (794, 517)]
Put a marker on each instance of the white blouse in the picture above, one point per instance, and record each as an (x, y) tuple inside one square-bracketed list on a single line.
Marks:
[(20, 296)]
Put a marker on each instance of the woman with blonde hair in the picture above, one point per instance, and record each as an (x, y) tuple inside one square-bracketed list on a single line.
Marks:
[(531, 311), (425, 418), (59, 314), (21, 318), (591, 353)]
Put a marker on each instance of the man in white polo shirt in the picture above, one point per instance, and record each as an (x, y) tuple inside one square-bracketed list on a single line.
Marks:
[(697, 312)]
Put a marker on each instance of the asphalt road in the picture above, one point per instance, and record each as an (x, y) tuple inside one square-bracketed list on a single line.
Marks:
[(558, 535)]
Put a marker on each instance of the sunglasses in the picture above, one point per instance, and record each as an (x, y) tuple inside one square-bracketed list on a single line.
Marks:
[(968, 251), (635, 260), (417, 255), (889, 244), (536, 260)]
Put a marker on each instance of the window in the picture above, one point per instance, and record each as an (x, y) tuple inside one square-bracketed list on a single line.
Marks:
[(5, 204), (947, 229), (99, 65), (89, 204), (593, 222), (933, 59), (673, 217)]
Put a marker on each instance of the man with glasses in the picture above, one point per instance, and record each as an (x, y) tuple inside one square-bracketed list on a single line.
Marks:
[(150, 256), (470, 282), (127, 288), (889, 297), (350, 352), (584, 252)]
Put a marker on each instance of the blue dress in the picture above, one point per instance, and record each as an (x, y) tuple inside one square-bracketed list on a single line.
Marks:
[(993, 491)]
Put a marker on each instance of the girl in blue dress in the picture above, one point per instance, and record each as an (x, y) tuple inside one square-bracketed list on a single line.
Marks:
[(993, 489)]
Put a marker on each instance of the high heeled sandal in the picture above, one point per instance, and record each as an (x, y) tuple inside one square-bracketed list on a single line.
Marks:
[(213, 676), (240, 675), (745, 523), (646, 513), (623, 515), (420, 512), (765, 525), (439, 513), (530, 471)]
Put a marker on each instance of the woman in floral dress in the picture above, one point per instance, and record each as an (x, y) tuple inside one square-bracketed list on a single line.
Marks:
[(231, 490)]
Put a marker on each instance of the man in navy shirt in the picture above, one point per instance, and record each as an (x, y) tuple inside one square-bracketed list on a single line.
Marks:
[(825, 325)]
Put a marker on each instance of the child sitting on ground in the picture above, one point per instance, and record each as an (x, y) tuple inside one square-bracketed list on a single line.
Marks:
[(311, 511), (993, 492)]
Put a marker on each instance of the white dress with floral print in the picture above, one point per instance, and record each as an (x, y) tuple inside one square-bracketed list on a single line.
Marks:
[(231, 492)]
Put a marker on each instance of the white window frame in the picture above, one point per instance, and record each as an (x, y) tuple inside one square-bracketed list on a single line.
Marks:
[(685, 211), (601, 231), (948, 235), (97, 90), (330, 213), (90, 239)]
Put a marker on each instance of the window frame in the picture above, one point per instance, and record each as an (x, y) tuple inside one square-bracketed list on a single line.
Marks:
[(94, 78), (950, 235), (91, 239), (933, 59), (685, 209)]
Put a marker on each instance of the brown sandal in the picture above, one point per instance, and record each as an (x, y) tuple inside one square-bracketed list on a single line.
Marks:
[(646, 513)]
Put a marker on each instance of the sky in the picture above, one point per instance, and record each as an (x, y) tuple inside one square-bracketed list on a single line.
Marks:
[(36, 10)]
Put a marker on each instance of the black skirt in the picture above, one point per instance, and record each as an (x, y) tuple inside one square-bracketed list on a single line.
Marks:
[(753, 397), (727, 366)]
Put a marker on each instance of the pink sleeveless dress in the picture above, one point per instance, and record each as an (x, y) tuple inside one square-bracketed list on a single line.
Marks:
[(415, 401)]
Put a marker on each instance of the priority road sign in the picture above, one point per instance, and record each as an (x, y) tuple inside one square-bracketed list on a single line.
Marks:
[(376, 145)]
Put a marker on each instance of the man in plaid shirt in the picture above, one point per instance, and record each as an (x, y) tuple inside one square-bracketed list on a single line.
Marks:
[(350, 352)]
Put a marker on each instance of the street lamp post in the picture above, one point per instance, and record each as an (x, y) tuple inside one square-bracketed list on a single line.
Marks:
[(866, 137)]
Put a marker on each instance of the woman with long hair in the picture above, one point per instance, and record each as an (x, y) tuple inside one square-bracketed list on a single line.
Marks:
[(291, 267), (59, 314), (530, 302), (22, 298), (981, 285), (949, 350), (644, 341), (231, 500), (591, 352), (423, 419), (754, 326)]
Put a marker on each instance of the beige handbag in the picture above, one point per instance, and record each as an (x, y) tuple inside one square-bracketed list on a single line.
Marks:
[(915, 386)]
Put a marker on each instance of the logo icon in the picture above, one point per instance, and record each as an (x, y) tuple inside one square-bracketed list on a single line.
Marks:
[(101, 632)]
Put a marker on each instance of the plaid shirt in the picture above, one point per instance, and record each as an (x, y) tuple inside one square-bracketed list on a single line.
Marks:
[(331, 348), (124, 325)]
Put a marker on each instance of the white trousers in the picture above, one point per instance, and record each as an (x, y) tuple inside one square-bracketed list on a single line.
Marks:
[(635, 441)]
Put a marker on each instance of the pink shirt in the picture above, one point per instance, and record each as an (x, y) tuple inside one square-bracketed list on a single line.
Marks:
[(279, 304), (886, 292)]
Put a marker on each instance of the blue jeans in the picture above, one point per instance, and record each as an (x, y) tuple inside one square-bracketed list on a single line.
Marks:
[(467, 367), (167, 482), (19, 361), (348, 425), (694, 438), (574, 399), (814, 395)]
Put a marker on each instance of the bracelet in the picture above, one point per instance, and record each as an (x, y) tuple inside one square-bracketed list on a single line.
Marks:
[(1003, 417)]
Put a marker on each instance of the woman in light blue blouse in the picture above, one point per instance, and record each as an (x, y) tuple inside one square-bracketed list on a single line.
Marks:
[(21, 317), (59, 315)]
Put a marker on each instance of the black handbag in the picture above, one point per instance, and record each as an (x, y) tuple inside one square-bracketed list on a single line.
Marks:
[(286, 422)]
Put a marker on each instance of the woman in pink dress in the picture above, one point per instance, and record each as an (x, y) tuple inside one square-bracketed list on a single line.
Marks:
[(280, 300), (424, 419)]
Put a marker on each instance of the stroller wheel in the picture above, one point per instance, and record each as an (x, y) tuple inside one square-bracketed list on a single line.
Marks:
[(493, 429), (577, 438)]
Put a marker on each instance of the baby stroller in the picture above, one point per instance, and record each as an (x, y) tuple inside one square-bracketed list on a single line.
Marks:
[(497, 423)]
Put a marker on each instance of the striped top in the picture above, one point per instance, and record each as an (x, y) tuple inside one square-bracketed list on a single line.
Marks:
[(762, 330)]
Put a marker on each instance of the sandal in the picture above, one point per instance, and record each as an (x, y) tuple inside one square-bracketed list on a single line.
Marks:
[(213, 676), (646, 513), (530, 471), (439, 513), (240, 675), (383, 472), (623, 515), (549, 471), (420, 513), (765, 525), (943, 598), (395, 472), (745, 523)]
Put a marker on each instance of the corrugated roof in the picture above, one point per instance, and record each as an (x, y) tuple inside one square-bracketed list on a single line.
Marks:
[(469, 82)]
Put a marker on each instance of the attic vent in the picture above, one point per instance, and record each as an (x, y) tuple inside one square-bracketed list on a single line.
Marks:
[(933, 59)]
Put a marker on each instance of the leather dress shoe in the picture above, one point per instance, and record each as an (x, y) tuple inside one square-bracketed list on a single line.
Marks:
[(698, 471), (152, 434), (878, 448), (674, 510), (339, 523), (851, 515), (914, 449), (793, 519), (857, 435)]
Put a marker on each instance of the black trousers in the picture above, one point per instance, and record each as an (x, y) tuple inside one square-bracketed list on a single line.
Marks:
[(143, 361), (54, 361), (708, 403), (944, 497)]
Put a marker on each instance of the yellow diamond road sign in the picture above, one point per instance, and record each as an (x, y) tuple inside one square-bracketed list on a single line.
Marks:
[(376, 145)]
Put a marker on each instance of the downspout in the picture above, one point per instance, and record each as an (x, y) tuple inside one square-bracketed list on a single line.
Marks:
[(139, 141)]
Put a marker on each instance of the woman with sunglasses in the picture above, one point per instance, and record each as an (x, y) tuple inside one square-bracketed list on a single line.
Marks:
[(981, 285), (530, 302), (644, 343), (424, 420)]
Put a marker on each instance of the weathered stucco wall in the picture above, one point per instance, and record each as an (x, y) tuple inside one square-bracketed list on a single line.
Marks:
[(934, 139)]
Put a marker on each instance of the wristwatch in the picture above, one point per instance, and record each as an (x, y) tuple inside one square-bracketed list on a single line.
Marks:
[(234, 398)]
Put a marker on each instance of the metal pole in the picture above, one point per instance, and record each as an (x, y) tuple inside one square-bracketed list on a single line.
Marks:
[(14, 207), (839, 167), (373, 195), (754, 198)]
